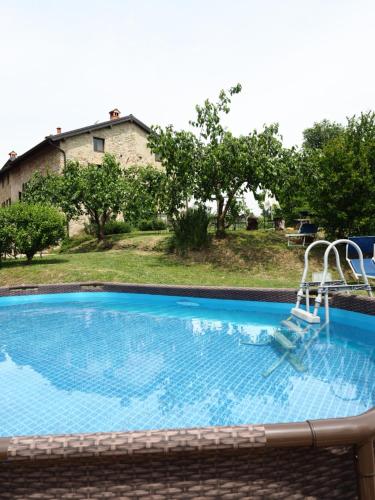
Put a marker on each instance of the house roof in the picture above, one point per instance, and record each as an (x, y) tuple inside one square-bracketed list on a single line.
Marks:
[(56, 138)]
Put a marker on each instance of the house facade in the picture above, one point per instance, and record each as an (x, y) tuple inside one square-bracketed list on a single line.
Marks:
[(125, 137)]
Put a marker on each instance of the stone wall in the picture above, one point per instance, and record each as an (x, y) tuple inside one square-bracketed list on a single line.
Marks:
[(126, 141), (48, 158), (5, 188)]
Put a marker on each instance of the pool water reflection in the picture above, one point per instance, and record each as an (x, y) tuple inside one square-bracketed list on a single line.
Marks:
[(90, 362)]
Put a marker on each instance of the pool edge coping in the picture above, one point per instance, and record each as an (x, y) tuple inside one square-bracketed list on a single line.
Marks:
[(355, 303)]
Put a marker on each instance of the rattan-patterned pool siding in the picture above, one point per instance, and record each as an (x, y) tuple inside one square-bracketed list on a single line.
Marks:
[(216, 462)]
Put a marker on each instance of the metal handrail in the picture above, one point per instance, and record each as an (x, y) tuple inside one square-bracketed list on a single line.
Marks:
[(332, 246), (306, 269)]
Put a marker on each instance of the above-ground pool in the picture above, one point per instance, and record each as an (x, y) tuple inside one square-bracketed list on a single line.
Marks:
[(106, 361)]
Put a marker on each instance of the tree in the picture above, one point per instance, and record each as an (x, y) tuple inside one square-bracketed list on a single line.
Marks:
[(6, 233), (180, 153), (289, 185), (317, 136), (339, 179), (234, 166), (34, 227), (96, 190), (215, 166), (144, 193), (237, 209), (43, 188), (50, 188)]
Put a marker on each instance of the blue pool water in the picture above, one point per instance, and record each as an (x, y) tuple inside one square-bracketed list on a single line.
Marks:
[(89, 362)]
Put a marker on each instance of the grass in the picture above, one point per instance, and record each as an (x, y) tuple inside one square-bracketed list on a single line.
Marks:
[(254, 259)]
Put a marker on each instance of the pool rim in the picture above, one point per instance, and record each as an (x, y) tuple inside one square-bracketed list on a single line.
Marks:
[(358, 431)]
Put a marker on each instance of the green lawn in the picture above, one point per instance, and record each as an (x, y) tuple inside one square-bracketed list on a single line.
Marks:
[(256, 259)]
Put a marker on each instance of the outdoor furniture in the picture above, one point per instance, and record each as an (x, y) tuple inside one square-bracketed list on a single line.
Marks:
[(279, 223), (252, 224), (306, 235), (367, 245)]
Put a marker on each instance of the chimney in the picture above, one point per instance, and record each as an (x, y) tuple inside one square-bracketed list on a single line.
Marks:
[(114, 114), (12, 155), (58, 130)]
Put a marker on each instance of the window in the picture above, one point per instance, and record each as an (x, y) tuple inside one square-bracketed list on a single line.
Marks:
[(20, 195), (98, 144)]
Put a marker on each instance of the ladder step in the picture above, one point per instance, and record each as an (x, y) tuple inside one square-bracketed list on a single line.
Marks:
[(305, 315), (296, 363), (292, 326), (282, 340)]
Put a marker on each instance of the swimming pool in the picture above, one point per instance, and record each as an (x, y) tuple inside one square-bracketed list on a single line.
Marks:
[(106, 361)]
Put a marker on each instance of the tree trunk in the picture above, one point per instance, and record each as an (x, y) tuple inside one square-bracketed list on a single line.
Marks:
[(99, 226), (220, 218), (29, 257), (102, 221), (222, 210), (100, 232)]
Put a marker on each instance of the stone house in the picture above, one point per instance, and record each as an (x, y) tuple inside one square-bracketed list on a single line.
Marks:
[(125, 137)]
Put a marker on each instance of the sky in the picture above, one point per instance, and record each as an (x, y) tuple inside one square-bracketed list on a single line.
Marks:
[(67, 63)]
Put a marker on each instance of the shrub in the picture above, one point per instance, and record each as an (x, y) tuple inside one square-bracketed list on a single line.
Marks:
[(6, 234), (68, 244), (152, 225), (190, 230), (111, 227), (34, 227), (117, 227)]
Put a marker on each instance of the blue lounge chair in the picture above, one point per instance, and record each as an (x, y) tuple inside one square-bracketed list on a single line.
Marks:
[(367, 245), (306, 234)]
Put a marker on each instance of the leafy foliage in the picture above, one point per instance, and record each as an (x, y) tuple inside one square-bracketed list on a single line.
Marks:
[(152, 225), (320, 134), (32, 228), (6, 233), (43, 188), (190, 229), (215, 166), (51, 188), (237, 209), (180, 152), (290, 186), (117, 227), (97, 190), (340, 185), (144, 195), (111, 227), (332, 176)]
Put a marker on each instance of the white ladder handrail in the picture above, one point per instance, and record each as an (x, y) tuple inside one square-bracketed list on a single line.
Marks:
[(316, 243), (306, 269), (332, 246)]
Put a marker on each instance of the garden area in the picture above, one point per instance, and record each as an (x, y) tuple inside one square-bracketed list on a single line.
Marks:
[(258, 259), (183, 221)]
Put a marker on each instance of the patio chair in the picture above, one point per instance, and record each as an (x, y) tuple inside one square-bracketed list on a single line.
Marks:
[(306, 235), (367, 245)]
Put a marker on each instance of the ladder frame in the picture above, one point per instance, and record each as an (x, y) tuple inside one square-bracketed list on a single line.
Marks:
[(324, 287)]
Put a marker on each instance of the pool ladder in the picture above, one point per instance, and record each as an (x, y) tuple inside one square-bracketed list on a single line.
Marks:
[(324, 287), (304, 337)]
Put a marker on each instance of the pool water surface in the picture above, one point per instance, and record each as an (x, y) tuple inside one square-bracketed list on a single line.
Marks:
[(105, 361)]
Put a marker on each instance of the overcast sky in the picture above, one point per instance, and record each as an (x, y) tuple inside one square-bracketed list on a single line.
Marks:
[(67, 63)]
